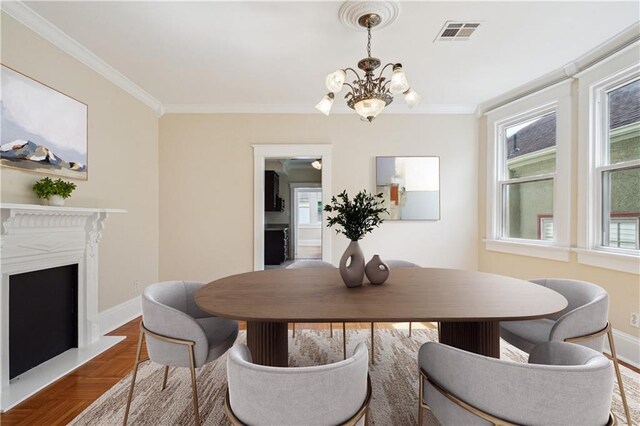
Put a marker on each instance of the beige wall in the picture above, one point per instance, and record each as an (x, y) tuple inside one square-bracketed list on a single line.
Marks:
[(123, 161), (623, 288), (206, 185)]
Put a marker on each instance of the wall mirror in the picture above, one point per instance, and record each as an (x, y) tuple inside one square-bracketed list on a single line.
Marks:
[(410, 186)]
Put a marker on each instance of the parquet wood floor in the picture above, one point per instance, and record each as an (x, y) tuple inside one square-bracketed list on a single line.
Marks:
[(63, 400)]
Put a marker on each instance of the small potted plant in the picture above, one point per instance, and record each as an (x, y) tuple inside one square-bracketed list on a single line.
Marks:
[(355, 218), (53, 191)]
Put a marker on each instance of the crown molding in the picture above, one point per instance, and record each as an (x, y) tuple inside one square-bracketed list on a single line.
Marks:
[(32, 20), (307, 109), (621, 42), (29, 18)]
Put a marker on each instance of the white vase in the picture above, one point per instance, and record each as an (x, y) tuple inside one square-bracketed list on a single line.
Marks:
[(56, 200), (352, 275)]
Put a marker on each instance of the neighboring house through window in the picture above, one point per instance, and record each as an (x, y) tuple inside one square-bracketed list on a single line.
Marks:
[(609, 160), (620, 174), (530, 151), (529, 166)]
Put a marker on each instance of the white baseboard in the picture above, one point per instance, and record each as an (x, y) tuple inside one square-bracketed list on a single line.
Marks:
[(627, 347), (119, 315)]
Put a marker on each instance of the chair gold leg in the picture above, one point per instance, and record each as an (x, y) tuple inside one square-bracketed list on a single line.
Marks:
[(164, 380), (344, 341), (409, 329), (373, 357), (133, 378), (614, 358), (294, 329), (192, 366), (331, 329)]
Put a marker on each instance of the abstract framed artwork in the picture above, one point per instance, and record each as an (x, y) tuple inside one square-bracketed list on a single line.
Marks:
[(410, 186), (43, 130)]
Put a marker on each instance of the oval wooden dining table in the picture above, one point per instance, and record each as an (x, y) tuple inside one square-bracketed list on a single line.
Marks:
[(468, 305)]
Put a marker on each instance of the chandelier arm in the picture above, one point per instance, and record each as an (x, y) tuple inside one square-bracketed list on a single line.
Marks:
[(384, 68), (347, 84), (353, 71)]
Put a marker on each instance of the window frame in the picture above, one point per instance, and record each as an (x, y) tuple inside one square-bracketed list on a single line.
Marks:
[(593, 157), (556, 98)]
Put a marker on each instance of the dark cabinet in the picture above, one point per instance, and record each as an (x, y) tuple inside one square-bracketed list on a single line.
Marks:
[(276, 246), (272, 200)]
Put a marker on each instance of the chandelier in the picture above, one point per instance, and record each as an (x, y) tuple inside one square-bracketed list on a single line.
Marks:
[(368, 95)]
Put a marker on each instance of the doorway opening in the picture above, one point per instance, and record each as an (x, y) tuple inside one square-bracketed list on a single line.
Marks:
[(293, 211), (288, 224)]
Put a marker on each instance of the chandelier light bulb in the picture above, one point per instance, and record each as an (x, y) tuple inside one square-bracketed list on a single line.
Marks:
[(369, 108), (324, 106), (399, 83), (411, 97), (335, 81), (317, 165)]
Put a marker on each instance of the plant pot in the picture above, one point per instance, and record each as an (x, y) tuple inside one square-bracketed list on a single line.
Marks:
[(377, 271), (352, 275), (56, 200)]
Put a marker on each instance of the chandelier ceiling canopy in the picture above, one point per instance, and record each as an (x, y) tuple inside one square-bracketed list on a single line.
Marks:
[(368, 95)]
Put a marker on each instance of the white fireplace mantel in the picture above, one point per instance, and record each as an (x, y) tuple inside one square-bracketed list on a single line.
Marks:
[(34, 237)]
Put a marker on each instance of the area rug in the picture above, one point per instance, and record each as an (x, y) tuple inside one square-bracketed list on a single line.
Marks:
[(394, 381)]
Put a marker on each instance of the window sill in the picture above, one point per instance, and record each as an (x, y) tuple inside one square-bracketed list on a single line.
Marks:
[(542, 251), (609, 260)]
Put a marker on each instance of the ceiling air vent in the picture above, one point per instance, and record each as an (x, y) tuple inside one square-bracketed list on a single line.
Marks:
[(457, 31)]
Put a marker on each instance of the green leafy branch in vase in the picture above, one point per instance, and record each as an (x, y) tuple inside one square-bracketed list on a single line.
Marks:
[(356, 217)]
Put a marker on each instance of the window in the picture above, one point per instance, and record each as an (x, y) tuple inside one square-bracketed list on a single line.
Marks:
[(546, 229), (309, 207), (620, 171), (528, 163), (303, 208), (623, 233), (529, 153), (609, 165)]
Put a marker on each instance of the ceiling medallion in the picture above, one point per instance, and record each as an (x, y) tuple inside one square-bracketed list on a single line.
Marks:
[(368, 95)]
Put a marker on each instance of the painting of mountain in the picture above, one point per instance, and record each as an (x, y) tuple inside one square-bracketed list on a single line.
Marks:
[(42, 130)]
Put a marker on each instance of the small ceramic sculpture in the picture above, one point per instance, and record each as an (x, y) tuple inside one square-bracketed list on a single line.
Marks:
[(377, 271)]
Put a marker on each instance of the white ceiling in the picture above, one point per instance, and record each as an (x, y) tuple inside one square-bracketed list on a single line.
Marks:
[(244, 54)]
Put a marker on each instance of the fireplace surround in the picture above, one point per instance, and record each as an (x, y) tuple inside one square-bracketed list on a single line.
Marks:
[(34, 238)]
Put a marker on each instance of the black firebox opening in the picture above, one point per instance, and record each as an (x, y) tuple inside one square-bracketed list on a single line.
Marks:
[(43, 316)]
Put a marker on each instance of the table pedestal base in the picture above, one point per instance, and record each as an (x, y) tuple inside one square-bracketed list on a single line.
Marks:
[(479, 337), (268, 343)]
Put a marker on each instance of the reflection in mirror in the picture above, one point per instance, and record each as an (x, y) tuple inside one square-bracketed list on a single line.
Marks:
[(410, 186)]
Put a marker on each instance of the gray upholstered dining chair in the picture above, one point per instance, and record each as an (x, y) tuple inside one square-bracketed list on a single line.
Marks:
[(302, 264), (583, 321), (179, 334), (398, 264), (337, 393), (563, 384)]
